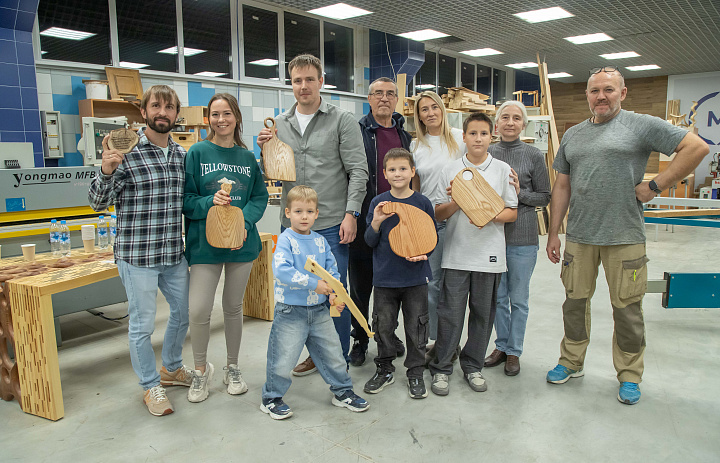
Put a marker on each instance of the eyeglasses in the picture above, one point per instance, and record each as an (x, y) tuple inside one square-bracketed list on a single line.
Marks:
[(608, 69), (390, 94)]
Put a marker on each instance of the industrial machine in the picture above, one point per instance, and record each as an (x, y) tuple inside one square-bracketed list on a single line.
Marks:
[(94, 130)]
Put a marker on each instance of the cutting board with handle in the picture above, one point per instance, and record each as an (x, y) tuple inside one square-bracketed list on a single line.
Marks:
[(415, 233), (477, 199), (278, 157), (225, 225)]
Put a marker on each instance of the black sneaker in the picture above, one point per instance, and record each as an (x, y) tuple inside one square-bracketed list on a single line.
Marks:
[(416, 388), (378, 382), (351, 401), (399, 347), (276, 408), (357, 354)]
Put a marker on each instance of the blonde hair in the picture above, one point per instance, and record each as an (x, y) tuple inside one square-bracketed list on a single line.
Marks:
[(305, 60), (445, 133), (232, 102), (301, 193)]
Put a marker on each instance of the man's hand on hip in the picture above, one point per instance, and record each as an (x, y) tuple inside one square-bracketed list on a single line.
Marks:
[(644, 193), (348, 229), (553, 248)]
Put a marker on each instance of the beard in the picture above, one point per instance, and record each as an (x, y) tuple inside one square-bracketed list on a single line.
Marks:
[(157, 128)]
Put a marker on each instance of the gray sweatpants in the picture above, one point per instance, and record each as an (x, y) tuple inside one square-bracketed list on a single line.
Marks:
[(478, 292), (204, 280)]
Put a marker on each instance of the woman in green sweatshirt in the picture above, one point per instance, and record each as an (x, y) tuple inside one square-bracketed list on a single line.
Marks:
[(222, 158)]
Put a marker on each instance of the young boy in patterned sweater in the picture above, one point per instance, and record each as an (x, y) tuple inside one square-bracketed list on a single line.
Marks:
[(302, 316)]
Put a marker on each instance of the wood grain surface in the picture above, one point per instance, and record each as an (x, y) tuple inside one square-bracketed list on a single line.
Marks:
[(123, 140), (415, 234), (477, 199), (224, 227), (342, 295), (278, 157)]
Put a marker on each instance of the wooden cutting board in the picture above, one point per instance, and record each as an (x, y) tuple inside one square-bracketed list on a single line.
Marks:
[(342, 295), (278, 157), (415, 234), (477, 199), (225, 225)]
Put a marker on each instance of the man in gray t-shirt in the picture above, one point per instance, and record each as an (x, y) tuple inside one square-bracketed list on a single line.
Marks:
[(601, 164)]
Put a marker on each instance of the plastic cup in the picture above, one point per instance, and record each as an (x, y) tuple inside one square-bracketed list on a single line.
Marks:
[(88, 237), (28, 251)]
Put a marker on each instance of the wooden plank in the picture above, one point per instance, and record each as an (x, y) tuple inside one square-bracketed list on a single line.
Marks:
[(401, 81), (259, 300), (681, 212), (342, 295), (278, 157)]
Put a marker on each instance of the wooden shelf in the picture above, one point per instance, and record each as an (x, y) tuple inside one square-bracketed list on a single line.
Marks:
[(110, 108)]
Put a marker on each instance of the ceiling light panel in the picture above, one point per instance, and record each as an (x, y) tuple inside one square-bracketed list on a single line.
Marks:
[(61, 33), (589, 38), (623, 55), (209, 74), (187, 51), (264, 62), (645, 67), (425, 34), (482, 52), (340, 11), (131, 65), (558, 75), (522, 65), (545, 14)]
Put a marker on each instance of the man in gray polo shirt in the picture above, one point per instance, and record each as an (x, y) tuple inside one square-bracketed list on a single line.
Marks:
[(330, 158), (600, 165)]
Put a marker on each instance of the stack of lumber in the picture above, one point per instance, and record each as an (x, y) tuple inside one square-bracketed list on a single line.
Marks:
[(462, 99)]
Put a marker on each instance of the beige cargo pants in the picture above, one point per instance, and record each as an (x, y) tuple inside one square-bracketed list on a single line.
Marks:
[(626, 273)]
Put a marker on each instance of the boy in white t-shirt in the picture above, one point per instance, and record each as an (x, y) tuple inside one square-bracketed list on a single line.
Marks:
[(473, 260)]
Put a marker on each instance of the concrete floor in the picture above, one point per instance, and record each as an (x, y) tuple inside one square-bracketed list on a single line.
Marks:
[(518, 419)]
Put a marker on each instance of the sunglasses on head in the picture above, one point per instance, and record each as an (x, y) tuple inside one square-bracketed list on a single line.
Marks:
[(608, 69)]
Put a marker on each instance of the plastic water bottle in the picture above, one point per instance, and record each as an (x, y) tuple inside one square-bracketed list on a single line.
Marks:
[(64, 239), (55, 238), (113, 229), (102, 233)]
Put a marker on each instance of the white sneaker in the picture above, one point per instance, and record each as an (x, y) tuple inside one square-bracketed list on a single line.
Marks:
[(199, 388), (235, 383), (476, 381)]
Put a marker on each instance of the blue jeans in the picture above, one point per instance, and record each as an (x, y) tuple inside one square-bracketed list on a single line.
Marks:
[(512, 301), (435, 260), (141, 285), (293, 327), (343, 323)]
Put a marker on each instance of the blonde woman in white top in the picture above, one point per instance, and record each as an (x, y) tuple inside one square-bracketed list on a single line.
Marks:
[(436, 145)]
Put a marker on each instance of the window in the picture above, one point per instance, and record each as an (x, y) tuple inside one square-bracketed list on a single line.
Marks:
[(302, 35), (147, 34), (467, 75), (260, 32), (206, 26), (484, 76), (499, 85), (446, 73), (425, 78), (79, 16), (339, 57)]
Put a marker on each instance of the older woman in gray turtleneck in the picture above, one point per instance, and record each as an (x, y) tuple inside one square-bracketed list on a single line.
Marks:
[(531, 181)]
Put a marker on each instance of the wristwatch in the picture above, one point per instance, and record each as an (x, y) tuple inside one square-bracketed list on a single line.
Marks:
[(654, 186), (355, 214)]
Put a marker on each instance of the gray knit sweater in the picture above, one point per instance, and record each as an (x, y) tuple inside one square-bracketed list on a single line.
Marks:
[(529, 163)]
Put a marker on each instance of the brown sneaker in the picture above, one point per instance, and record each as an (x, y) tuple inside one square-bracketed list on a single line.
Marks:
[(305, 368), (496, 358), (157, 402), (512, 367), (181, 377)]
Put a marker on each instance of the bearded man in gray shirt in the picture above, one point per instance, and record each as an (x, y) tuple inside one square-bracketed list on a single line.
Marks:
[(600, 164)]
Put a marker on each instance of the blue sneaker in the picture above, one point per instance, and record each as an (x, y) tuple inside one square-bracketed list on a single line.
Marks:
[(351, 401), (629, 393), (276, 408), (560, 374)]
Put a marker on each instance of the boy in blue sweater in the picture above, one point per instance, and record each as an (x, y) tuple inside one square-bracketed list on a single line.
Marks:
[(302, 316), (398, 281)]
